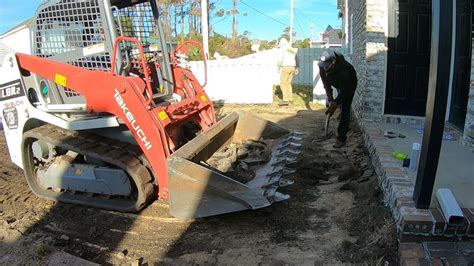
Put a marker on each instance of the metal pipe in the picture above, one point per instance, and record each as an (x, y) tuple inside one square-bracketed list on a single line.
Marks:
[(113, 32), (165, 65), (127, 58)]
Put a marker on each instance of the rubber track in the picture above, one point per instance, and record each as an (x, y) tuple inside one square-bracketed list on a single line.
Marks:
[(120, 154)]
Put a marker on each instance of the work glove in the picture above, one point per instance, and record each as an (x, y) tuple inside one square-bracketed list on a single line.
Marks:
[(332, 108)]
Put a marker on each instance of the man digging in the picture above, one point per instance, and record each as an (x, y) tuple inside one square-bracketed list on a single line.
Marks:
[(336, 72)]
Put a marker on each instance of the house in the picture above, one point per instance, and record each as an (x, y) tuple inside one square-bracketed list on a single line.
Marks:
[(389, 44), (330, 38), (18, 38), (391, 54)]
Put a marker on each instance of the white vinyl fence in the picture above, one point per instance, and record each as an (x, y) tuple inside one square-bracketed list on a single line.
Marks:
[(250, 79), (247, 79)]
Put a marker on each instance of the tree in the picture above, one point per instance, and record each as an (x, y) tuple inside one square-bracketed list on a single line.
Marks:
[(267, 45), (286, 33), (306, 43)]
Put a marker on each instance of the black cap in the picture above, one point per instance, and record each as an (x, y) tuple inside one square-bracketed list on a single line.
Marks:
[(326, 58)]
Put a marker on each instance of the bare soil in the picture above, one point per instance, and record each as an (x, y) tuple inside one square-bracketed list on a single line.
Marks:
[(335, 214)]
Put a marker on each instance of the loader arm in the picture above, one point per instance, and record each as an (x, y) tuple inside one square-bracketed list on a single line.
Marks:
[(117, 95)]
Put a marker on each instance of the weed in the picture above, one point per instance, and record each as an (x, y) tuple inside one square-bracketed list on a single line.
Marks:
[(42, 251), (302, 94)]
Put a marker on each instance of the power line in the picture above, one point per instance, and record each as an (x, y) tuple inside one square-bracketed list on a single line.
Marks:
[(321, 4), (301, 28), (260, 12), (316, 24)]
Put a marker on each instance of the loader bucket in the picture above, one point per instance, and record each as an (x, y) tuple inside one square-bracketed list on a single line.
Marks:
[(238, 164)]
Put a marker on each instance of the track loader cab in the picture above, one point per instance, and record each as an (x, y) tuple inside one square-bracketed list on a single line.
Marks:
[(106, 115)]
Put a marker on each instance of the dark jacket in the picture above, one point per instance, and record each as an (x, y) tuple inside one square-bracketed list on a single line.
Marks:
[(343, 77)]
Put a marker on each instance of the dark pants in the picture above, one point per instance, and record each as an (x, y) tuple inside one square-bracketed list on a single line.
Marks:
[(343, 127)]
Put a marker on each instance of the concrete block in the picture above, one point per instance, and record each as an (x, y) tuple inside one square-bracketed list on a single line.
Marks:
[(416, 222)]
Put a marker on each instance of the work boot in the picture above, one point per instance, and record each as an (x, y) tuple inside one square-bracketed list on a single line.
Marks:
[(339, 144)]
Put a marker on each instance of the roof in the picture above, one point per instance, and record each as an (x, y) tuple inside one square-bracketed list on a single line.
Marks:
[(16, 28), (3, 52), (329, 28)]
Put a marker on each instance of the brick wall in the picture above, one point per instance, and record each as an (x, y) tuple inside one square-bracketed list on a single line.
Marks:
[(468, 138), (369, 56)]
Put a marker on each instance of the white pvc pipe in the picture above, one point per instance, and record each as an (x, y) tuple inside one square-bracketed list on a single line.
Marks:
[(450, 207)]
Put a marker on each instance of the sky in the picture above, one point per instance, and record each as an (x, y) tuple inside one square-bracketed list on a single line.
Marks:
[(264, 19)]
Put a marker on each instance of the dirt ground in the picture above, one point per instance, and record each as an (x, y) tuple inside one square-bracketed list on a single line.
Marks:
[(334, 215)]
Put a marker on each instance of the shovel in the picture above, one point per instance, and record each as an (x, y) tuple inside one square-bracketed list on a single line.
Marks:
[(326, 125), (326, 130)]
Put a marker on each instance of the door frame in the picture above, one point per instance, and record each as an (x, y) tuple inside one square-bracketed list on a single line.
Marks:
[(451, 74), (453, 62)]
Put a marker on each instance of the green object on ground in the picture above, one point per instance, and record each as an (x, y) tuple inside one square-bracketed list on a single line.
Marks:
[(399, 155)]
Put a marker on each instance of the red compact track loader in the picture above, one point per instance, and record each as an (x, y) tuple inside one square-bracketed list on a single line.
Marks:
[(105, 113)]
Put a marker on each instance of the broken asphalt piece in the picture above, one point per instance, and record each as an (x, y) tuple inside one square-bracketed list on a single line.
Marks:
[(390, 134)]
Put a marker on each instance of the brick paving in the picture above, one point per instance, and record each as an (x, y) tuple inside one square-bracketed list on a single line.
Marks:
[(436, 253), (412, 224)]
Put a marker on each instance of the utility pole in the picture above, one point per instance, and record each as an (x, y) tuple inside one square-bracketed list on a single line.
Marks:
[(234, 19), (292, 7), (204, 28)]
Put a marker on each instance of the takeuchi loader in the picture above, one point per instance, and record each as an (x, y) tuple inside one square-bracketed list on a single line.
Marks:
[(106, 113)]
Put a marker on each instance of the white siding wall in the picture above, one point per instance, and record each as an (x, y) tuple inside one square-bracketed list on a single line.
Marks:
[(19, 41)]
